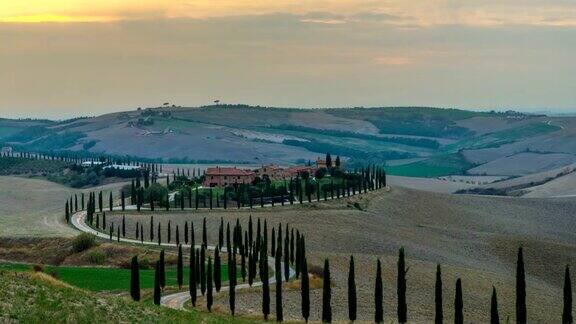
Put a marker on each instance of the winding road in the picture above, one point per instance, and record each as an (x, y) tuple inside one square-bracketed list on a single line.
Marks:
[(175, 300)]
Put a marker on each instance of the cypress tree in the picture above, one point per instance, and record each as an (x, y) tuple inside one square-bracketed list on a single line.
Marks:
[(138, 231), (265, 286), (273, 247), (197, 266), (162, 270), (292, 246), (123, 226), (243, 264), (217, 270), (192, 276), (305, 290), (110, 202), (186, 232), (100, 204), (67, 215), (520, 289), (439, 313), (352, 303), (567, 310), (326, 295), (494, 317), (278, 273), (209, 282), (111, 231), (177, 235), (118, 234), (141, 234), (401, 288), (232, 283), (180, 268), (286, 258), (169, 231), (378, 297), (123, 200), (151, 228), (157, 284), (135, 279), (203, 269), (458, 304), (250, 231)]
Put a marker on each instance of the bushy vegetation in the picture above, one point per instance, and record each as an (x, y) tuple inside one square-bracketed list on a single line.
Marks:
[(83, 242), (17, 165)]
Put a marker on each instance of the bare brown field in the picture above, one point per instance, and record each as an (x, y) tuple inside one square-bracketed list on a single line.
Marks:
[(33, 207), (473, 238)]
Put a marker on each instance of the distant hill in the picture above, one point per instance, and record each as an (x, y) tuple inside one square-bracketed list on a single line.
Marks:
[(412, 141)]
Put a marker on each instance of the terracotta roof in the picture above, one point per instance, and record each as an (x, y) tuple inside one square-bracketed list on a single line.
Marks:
[(228, 172)]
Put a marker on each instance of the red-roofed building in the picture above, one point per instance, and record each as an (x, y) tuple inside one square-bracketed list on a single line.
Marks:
[(221, 177)]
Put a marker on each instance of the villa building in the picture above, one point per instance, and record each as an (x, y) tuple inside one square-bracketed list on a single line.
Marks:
[(220, 177)]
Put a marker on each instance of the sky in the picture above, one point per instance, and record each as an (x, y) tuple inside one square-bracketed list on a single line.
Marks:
[(63, 58)]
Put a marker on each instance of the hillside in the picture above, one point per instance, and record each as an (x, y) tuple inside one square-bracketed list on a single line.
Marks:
[(39, 298), (421, 142)]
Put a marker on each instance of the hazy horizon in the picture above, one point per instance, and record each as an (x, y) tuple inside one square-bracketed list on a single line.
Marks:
[(78, 58)]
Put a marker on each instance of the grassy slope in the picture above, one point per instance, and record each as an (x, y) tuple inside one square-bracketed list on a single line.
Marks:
[(37, 298), (436, 166), (107, 279)]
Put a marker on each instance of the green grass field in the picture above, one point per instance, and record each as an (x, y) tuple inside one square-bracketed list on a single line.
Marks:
[(437, 166), (106, 279)]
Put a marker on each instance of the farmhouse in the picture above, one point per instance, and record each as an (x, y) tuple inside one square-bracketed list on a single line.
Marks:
[(273, 172), (220, 177)]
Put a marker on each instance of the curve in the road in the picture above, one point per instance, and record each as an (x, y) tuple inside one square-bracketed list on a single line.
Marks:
[(175, 300)]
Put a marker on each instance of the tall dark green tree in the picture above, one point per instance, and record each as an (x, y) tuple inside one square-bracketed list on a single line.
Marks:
[(157, 293), (151, 228), (278, 274), (232, 284), (110, 201), (352, 302), (217, 270), (162, 270), (567, 309), (186, 232), (177, 235), (135, 279), (180, 268), (401, 288), (209, 283), (203, 270), (326, 295), (265, 286), (458, 304), (439, 310), (123, 200), (521, 316), (305, 290), (123, 226), (494, 317), (378, 295), (193, 285)]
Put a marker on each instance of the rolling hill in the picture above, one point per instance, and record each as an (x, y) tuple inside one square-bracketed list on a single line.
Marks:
[(412, 141)]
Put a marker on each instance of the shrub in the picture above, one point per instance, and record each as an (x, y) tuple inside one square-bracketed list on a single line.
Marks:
[(83, 242), (96, 257), (37, 268)]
